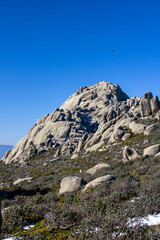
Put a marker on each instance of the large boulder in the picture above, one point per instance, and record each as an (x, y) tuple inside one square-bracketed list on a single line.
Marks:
[(130, 154), (71, 184), (81, 142), (117, 134), (95, 147), (137, 128), (94, 169), (149, 104), (152, 150), (155, 105), (158, 154), (146, 107), (98, 181), (148, 95), (157, 116)]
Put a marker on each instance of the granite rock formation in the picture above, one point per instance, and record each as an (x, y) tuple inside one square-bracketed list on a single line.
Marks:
[(91, 118)]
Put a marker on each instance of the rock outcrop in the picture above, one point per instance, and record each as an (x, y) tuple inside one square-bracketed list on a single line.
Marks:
[(97, 167), (150, 105), (19, 180), (71, 184), (152, 150), (98, 181), (92, 117), (137, 128), (130, 154)]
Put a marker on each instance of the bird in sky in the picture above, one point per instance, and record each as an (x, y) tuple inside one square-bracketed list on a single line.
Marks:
[(112, 50)]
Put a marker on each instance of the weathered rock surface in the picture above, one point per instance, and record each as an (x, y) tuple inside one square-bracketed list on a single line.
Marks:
[(95, 147), (152, 150), (98, 181), (137, 128), (126, 136), (157, 116), (155, 105), (19, 180), (94, 169), (150, 105), (117, 134), (149, 129), (92, 117), (146, 107), (130, 154), (158, 154), (71, 184), (74, 156)]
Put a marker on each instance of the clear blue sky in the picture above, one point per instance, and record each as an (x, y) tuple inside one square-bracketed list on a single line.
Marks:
[(50, 48)]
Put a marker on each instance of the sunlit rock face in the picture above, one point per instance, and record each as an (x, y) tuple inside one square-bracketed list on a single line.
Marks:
[(86, 120)]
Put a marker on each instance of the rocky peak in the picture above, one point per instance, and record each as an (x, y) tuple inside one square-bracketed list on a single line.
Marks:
[(90, 118), (96, 97)]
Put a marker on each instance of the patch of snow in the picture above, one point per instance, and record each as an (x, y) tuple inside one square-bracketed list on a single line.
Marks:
[(28, 227), (13, 238), (150, 220), (10, 238), (136, 198), (116, 234)]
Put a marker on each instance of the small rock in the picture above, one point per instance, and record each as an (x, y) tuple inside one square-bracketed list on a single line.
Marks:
[(93, 170), (145, 141), (130, 154), (152, 150), (19, 180), (71, 184), (98, 181), (74, 156)]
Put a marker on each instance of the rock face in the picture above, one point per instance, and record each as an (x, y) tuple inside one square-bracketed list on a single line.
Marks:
[(149, 104), (71, 184), (92, 117), (130, 154)]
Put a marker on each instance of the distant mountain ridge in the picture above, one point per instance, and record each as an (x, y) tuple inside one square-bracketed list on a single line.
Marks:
[(4, 149)]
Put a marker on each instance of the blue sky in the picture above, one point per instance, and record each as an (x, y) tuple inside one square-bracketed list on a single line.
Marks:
[(50, 48)]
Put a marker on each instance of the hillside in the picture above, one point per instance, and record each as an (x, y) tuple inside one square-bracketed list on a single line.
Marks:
[(89, 170), (4, 149)]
